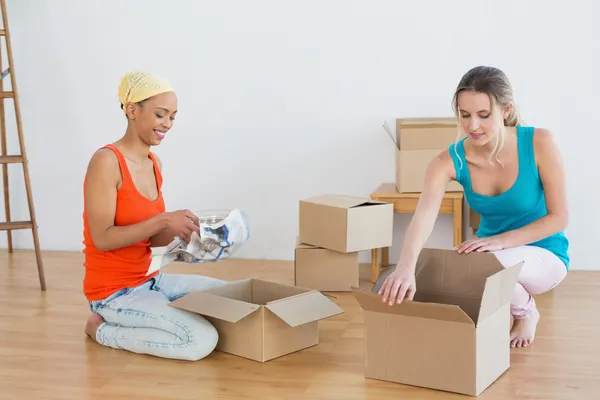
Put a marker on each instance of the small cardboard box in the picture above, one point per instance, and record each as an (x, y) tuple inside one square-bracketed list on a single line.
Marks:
[(325, 270), (345, 223), (261, 320), (418, 141), (454, 335)]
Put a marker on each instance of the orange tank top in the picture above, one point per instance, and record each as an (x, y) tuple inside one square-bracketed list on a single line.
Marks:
[(107, 272)]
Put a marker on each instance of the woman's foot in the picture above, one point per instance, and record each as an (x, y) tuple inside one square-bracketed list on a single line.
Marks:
[(92, 325), (523, 330)]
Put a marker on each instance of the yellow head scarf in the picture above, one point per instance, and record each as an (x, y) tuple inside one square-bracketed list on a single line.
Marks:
[(136, 86)]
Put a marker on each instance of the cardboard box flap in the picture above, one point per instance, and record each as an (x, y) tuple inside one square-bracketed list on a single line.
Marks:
[(498, 290), (464, 279), (303, 308), (215, 306), (446, 271), (342, 201), (370, 301)]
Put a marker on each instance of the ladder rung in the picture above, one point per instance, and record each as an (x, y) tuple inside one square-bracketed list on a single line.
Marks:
[(7, 95), (8, 226), (11, 159), (2, 32)]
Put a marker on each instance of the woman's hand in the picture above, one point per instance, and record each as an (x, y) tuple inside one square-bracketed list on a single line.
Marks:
[(492, 243), (182, 223), (398, 285)]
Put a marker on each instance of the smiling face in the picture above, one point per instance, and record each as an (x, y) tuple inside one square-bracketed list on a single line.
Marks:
[(481, 120), (484, 104), (152, 118)]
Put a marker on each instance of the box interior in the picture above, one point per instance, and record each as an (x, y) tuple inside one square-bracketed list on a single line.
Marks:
[(256, 291), (453, 287)]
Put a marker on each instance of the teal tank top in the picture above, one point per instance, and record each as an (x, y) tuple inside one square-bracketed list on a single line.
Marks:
[(520, 205)]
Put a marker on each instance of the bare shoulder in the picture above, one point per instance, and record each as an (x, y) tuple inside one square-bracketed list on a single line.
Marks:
[(441, 167), (104, 162), (158, 161), (545, 145), (542, 136), (444, 162)]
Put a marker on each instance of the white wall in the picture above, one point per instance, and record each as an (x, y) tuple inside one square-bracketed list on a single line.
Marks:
[(277, 93)]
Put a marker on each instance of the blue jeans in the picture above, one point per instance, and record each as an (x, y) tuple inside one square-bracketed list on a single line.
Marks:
[(140, 319)]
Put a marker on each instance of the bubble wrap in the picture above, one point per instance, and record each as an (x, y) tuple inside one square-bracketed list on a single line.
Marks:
[(217, 241)]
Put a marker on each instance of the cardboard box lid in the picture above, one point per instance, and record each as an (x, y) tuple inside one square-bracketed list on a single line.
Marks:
[(452, 287), (213, 305), (341, 201), (303, 308), (236, 300)]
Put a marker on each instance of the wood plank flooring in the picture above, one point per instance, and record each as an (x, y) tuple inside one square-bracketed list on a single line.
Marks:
[(44, 353)]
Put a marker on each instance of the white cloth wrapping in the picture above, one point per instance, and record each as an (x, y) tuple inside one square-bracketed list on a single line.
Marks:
[(217, 241)]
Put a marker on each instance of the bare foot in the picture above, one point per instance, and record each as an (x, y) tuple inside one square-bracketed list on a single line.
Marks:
[(92, 324), (523, 331)]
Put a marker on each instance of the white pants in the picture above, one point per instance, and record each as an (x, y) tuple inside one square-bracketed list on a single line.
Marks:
[(540, 273)]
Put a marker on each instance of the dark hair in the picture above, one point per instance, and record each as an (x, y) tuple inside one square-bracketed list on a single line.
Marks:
[(493, 82)]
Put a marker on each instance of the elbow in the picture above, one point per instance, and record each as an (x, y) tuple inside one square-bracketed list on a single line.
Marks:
[(564, 221), (561, 221), (101, 246), (99, 243)]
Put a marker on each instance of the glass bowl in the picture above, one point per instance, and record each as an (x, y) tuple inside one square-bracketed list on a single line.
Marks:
[(212, 216)]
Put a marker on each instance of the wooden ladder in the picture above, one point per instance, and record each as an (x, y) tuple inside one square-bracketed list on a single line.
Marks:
[(6, 159)]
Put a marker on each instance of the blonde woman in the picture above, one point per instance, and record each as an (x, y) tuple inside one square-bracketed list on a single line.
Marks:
[(513, 176)]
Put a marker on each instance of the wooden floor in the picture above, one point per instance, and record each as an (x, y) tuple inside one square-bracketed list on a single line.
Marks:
[(44, 353)]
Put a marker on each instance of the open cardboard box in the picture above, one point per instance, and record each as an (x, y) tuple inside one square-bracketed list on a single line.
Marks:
[(454, 335), (261, 320), (418, 141), (345, 223)]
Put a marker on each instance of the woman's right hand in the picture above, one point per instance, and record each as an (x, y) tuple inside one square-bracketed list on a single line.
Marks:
[(182, 223), (399, 285)]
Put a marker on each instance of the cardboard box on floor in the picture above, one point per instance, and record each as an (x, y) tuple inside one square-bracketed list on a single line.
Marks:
[(325, 270), (345, 223), (454, 335), (261, 320), (418, 141)]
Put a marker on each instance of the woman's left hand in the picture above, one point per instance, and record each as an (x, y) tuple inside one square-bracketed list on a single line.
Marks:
[(492, 243)]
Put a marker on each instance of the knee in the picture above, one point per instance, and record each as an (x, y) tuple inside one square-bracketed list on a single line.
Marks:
[(203, 341)]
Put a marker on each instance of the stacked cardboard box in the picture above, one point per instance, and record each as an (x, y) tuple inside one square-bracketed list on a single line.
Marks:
[(454, 334), (418, 141), (333, 229)]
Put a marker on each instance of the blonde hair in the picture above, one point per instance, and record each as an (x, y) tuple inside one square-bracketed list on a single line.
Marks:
[(493, 82)]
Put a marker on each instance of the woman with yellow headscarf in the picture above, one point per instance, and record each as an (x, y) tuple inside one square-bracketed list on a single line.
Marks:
[(124, 217)]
